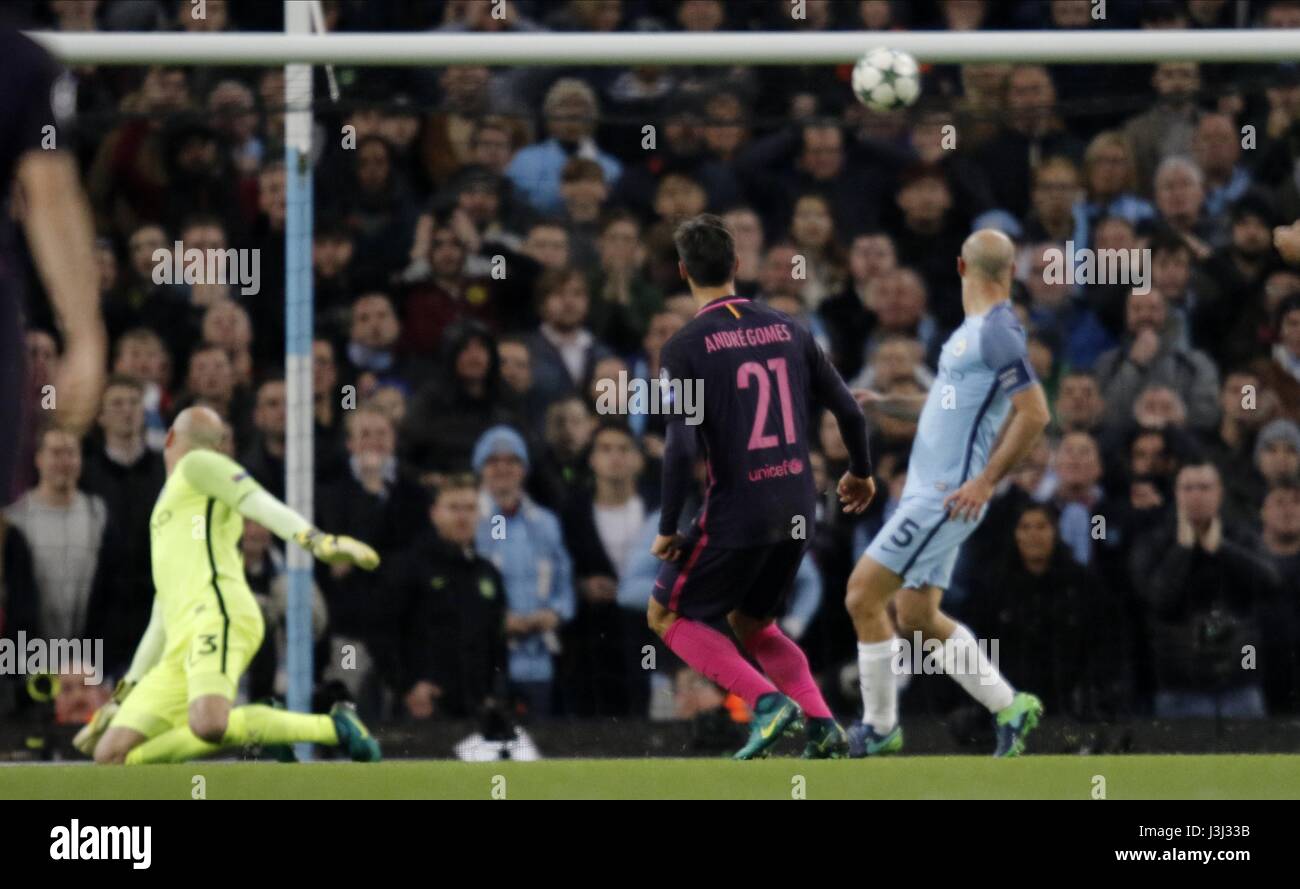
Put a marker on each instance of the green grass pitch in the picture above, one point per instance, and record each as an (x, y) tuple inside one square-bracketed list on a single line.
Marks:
[(924, 777)]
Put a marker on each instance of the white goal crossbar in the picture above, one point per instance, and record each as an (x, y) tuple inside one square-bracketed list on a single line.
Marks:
[(727, 48)]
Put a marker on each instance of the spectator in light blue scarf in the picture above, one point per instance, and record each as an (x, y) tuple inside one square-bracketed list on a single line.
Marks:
[(1110, 187), (526, 544), (570, 109)]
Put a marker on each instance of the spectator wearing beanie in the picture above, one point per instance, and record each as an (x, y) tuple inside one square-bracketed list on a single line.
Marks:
[(526, 544)]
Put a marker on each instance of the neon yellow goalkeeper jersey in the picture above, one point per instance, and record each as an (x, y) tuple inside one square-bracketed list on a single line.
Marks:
[(194, 536)]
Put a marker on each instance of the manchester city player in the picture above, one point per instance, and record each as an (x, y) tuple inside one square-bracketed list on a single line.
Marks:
[(206, 626), (984, 378)]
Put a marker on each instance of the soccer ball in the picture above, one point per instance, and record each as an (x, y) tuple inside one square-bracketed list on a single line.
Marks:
[(886, 79)]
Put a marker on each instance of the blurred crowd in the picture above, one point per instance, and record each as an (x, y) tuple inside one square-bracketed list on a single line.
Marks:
[(491, 244)]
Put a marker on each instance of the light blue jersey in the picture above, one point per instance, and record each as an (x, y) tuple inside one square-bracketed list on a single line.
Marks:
[(982, 365)]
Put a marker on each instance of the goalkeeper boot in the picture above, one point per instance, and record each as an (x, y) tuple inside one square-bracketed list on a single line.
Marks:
[(1015, 721), (826, 740), (353, 735), (866, 741), (774, 715)]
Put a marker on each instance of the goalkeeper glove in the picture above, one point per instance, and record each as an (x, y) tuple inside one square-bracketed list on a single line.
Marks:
[(92, 731), (337, 549)]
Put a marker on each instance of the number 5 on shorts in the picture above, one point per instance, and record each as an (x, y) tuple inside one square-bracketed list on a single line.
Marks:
[(902, 538)]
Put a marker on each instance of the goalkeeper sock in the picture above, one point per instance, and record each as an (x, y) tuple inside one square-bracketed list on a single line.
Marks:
[(253, 724), (260, 724)]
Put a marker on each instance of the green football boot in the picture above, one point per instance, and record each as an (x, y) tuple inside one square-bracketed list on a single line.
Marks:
[(864, 740), (774, 715), (1015, 721), (353, 736), (826, 740)]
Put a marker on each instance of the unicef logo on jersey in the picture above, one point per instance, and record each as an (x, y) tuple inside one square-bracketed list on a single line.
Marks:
[(786, 468)]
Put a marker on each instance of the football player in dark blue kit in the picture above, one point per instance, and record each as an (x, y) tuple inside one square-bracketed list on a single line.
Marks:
[(35, 102), (763, 378)]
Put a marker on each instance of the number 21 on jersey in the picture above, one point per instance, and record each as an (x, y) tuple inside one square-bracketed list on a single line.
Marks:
[(751, 372)]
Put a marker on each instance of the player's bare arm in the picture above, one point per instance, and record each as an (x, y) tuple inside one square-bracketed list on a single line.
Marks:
[(1029, 416), (56, 219)]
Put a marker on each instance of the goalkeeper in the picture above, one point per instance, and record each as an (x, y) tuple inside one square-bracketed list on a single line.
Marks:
[(175, 702)]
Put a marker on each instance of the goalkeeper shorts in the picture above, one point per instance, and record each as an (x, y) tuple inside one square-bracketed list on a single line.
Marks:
[(214, 653)]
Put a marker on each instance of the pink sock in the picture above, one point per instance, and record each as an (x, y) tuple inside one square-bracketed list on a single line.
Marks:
[(711, 654), (785, 662)]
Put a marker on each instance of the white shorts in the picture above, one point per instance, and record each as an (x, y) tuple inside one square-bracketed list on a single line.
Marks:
[(920, 542)]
